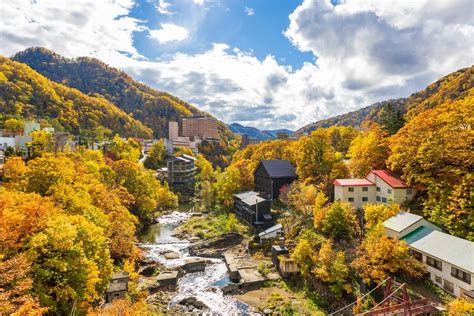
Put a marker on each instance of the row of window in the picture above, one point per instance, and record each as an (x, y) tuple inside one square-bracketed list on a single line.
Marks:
[(437, 264), (389, 191), (383, 199), (364, 199)]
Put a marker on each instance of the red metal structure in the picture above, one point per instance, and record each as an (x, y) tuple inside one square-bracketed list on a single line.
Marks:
[(397, 301)]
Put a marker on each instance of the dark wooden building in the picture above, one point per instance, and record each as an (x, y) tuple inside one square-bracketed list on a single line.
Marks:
[(248, 205), (271, 175)]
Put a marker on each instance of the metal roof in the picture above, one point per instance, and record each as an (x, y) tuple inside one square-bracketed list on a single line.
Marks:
[(252, 200), (353, 182), (391, 179), (454, 250), (188, 157), (271, 230), (246, 194), (279, 168), (401, 221)]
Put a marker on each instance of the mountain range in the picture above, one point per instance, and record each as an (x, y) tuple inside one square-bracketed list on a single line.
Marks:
[(398, 111), (153, 108), (255, 133)]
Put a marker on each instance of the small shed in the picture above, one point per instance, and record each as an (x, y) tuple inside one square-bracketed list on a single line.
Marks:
[(270, 233), (118, 286)]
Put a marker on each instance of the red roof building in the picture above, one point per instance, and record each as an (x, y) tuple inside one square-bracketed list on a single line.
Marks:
[(379, 186), (391, 179)]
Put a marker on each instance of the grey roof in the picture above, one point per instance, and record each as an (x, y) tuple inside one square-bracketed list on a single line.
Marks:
[(271, 230), (119, 275), (188, 157), (279, 168), (454, 250), (252, 200), (401, 221), (246, 194), (117, 287)]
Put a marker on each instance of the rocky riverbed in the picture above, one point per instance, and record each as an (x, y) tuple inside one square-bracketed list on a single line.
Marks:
[(198, 292)]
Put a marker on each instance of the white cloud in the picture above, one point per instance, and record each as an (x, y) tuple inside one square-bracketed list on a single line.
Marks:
[(366, 52), (199, 2), (169, 33), (249, 11), (163, 6)]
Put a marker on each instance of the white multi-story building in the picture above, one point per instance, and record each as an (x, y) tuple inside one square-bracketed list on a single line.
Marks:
[(379, 186), (448, 259)]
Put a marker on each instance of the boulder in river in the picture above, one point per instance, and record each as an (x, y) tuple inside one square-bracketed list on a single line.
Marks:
[(171, 255), (193, 302), (215, 247)]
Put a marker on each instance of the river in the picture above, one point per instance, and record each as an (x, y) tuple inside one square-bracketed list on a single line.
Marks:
[(204, 286)]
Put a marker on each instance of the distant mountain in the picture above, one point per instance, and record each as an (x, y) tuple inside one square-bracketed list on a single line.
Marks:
[(255, 133), (355, 118), (394, 113), (151, 107), (28, 94)]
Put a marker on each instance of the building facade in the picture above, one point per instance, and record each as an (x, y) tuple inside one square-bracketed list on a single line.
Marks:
[(203, 127), (379, 186), (181, 170), (271, 176), (449, 260)]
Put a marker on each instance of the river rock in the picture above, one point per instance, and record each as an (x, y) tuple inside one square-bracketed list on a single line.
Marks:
[(171, 255), (215, 247), (193, 302), (145, 261)]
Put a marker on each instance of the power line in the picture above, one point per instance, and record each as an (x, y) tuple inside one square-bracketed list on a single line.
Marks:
[(334, 313)]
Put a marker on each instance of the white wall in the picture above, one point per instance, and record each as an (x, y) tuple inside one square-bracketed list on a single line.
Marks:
[(445, 274), (342, 193), (388, 194)]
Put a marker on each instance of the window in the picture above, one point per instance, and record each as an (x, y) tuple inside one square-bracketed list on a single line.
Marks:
[(378, 198), (365, 199), (448, 286), (389, 191), (438, 279), (351, 189), (409, 191), (365, 189), (384, 200), (417, 255), (461, 275), (378, 189), (350, 199), (432, 262)]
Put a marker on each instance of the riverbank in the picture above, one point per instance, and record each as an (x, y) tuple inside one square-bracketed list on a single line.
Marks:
[(193, 292)]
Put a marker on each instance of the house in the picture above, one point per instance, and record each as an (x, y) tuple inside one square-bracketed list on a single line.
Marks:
[(378, 186), (251, 207), (449, 260), (181, 170), (271, 175), (118, 287)]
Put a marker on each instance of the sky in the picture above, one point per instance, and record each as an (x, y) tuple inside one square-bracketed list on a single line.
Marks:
[(263, 63)]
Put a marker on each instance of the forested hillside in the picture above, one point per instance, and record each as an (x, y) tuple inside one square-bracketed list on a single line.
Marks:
[(393, 114), (26, 93), (151, 107)]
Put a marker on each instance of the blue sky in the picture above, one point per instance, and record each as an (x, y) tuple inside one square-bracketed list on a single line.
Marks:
[(254, 26), (264, 63)]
